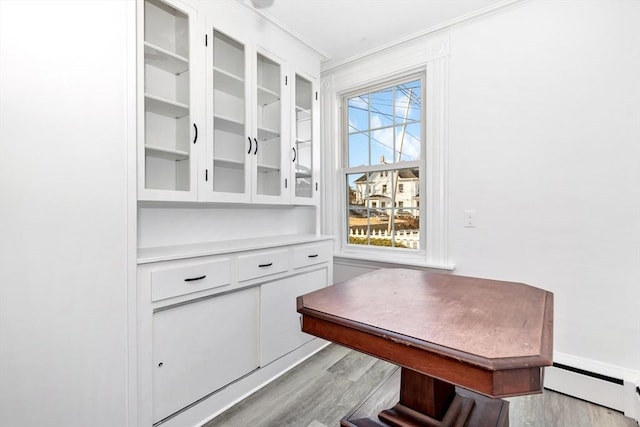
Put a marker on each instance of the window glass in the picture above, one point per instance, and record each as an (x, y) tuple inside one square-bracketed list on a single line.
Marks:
[(384, 137)]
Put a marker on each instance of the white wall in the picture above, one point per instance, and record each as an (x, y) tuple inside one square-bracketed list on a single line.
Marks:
[(64, 209), (544, 131)]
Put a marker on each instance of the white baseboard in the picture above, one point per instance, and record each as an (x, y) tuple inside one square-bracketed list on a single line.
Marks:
[(632, 398), (597, 382)]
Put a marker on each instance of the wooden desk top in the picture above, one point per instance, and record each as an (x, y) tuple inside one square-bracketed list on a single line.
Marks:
[(475, 333)]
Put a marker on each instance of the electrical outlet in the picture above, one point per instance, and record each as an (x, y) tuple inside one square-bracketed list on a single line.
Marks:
[(469, 218)]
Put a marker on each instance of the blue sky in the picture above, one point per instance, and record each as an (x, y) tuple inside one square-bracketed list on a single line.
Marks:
[(385, 124)]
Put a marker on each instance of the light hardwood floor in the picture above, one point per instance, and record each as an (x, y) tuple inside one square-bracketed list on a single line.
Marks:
[(323, 389)]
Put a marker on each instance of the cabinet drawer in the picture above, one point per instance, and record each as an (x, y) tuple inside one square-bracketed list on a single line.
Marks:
[(316, 253), (262, 263), (176, 281)]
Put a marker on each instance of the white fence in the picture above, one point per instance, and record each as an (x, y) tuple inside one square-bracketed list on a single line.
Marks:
[(408, 238)]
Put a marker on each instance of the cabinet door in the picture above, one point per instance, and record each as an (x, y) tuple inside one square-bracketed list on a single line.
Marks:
[(280, 330), (268, 115), (227, 176), (201, 346), (305, 156), (169, 109)]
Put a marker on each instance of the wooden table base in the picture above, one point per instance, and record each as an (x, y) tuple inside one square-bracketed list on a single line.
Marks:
[(429, 402)]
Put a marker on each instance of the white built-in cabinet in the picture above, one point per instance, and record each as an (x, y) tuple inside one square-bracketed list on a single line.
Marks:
[(280, 325), (170, 107), (217, 320), (248, 104), (304, 172), (226, 117), (201, 346)]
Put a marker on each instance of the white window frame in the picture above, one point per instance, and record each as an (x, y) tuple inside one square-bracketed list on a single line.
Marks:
[(373, 250), (427, 54)]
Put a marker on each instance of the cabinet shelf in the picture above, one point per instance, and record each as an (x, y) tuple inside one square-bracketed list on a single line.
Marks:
[(303, 141), (303, 113), (267, 96), (164, 59), (166, 153), (228, 164), (265, 134), (264, 168), (227, 124), (303, 171), (306, 110), (165, 107), (228, 82)]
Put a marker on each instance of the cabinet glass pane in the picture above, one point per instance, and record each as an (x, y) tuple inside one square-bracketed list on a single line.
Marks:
[(268, 120), (166, 97), (229, 142), (303, 152)]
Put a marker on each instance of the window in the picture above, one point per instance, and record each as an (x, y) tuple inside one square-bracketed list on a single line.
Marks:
[(383, 145)]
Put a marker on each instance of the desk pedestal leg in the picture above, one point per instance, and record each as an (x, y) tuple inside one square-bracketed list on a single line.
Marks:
[(428, 402)]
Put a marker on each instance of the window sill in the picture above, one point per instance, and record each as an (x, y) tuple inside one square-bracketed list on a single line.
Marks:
[(387, 261)]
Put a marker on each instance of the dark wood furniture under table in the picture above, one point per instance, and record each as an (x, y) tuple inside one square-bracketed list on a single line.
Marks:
[(490, 338)]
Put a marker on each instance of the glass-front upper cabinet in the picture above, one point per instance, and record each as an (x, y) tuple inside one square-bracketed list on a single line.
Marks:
[(244, 147), (170, 129), (303, 144), (268, 176), (231, 140)]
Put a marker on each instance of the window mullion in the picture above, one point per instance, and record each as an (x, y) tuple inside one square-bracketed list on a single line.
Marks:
[(414, 164), (369, 125)]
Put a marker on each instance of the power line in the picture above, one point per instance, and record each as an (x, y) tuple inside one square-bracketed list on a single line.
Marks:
[(394, 103)]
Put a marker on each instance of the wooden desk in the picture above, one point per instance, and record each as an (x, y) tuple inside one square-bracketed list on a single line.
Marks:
[(488, 336)]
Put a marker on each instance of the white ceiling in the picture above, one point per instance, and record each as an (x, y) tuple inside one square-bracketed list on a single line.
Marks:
[(344, 29)]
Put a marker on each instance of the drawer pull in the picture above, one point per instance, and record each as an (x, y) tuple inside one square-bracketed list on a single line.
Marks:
[(313, 256), (265, 265), (193, 279)]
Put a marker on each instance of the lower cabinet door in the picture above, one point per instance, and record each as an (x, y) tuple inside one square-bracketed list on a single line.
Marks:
[(201, 346), (280, 330)]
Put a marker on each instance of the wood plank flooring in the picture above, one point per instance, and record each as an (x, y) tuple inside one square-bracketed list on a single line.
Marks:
[(323, 389)]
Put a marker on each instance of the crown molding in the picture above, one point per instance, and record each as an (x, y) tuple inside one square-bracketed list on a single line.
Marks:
[(329, 65)]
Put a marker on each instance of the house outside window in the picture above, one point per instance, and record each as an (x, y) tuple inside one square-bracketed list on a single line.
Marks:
[(384, 146)]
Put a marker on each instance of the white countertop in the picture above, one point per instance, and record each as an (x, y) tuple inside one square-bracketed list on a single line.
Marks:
[(167, 253)]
